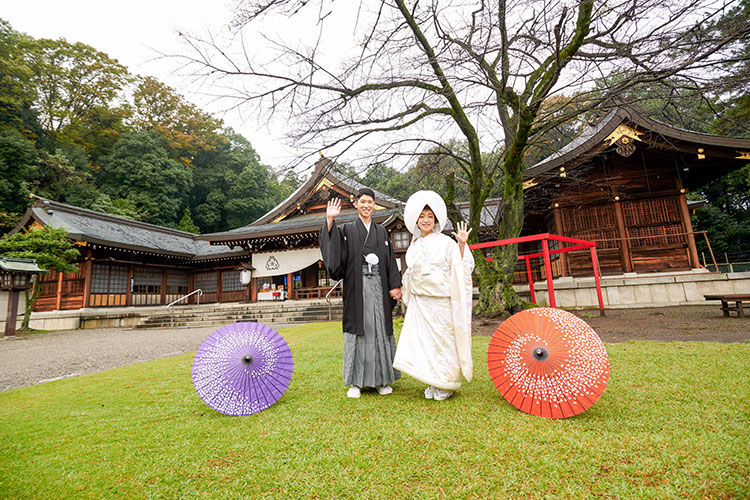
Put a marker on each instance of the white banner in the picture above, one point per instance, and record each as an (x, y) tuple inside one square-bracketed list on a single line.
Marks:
[(283, 262)]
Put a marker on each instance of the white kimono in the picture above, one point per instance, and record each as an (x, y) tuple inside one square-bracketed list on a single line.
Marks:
[(435, 342)]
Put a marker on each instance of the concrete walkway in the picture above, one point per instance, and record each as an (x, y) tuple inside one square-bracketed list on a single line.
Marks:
[(42, 357)]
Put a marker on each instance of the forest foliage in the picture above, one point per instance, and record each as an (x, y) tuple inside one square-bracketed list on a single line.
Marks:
[(77, 127)]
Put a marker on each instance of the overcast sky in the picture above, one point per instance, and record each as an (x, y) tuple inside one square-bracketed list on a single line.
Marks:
[(132, 32)]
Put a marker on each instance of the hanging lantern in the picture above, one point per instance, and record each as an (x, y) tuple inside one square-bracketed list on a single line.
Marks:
[(245, 277)]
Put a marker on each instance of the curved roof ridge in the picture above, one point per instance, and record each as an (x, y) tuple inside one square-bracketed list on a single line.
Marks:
[(595, 134), (44, 203), (323, 167)]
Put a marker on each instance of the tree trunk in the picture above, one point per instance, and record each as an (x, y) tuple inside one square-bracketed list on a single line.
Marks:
[(496, 293), (29, 303)]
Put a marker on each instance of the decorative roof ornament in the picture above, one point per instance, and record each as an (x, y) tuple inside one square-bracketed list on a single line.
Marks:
[(625, 138), (623, 131)]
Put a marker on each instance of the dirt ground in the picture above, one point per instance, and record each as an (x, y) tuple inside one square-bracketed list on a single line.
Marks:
[(688, 323)]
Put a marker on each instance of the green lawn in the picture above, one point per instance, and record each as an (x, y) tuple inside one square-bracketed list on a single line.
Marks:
[(673, 423)]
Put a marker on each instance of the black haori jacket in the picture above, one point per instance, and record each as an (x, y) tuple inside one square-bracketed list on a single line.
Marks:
[(343, 250)]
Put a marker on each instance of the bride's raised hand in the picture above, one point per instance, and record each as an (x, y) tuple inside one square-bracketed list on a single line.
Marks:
[(462, 233)]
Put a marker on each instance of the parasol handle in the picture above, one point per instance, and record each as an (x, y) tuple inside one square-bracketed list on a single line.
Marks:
[(540, 353), (248, 360)]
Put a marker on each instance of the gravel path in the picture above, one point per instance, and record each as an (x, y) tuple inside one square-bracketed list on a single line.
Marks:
[(42, 357), (664, 324)]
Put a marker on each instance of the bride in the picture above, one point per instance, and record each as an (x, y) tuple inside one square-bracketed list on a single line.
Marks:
[(435, 342)]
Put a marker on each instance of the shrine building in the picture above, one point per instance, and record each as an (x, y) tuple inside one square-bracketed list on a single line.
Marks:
[(622, 183)]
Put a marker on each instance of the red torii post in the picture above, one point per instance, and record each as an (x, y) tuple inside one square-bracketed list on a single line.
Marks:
[(545, 253)]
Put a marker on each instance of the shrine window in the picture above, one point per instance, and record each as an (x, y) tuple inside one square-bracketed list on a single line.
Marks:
[(401, 240)]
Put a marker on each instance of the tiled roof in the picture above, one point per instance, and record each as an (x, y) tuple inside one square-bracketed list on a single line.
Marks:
[(594, 135), (488, 217), (119, 232)]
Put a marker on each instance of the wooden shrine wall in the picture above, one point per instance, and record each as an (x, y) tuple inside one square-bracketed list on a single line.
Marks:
[(593, 223), (72, 288), (656, 235), (114, 284), (647, 235)]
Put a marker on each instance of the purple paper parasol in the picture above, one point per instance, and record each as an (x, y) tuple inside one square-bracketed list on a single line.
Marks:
[(242, 368)]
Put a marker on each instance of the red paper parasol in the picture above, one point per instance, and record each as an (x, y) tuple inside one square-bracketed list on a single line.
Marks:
[(548, 362)]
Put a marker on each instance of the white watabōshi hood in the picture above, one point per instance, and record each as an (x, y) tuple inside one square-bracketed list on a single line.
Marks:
[(416, 203)]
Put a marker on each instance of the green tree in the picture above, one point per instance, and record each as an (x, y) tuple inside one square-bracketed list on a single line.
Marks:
[(52, 250), (726, 216), (289, 183), (71, 80), (231, 188), (140, 170), (18, 165), (734, 84), (95, 131), (187, 130), (120, 206), (64, 176), (16, 94), (76, 95), (186, 223)]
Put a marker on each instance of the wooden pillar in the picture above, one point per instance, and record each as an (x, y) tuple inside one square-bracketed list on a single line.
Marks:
[(254, 290), (191, 287), (625, 263), (88, 274), (58, 301), (12, 317), (218, 286), (129, 288), (688, 227), (163, 299), (559, 230), (289, 286)]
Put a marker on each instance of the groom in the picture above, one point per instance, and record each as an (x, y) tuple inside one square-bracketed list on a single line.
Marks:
[(360, 253)]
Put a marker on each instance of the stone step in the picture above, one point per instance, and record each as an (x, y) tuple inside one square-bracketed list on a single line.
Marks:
[(277, 315), (246, 314), (259, 306), (303, 316), (196, 324)]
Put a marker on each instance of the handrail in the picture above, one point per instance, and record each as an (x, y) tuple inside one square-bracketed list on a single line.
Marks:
[(328, 297), (197, 290), (170, 306)]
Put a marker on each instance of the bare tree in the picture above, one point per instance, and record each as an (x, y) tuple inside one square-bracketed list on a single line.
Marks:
[(429, 71)]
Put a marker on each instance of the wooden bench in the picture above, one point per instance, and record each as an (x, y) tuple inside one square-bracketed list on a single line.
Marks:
[(727, 299)]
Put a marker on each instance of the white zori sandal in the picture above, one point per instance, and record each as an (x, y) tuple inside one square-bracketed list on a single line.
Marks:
[(384, 390), (440, 395)]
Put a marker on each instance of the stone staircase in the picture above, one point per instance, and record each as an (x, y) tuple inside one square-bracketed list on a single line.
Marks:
[(274, 314)]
